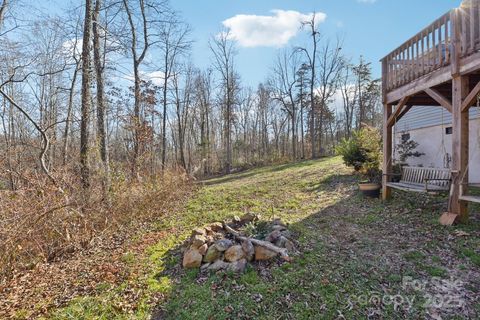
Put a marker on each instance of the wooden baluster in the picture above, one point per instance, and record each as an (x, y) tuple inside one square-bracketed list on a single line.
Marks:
[(395, 68), (399, 68), (447, 41), (464, 32), (471, 21), (423, 52), (407, 75), (402, 75), (475, 23), (412, 60), (428, 51), (434, 48), (440, 44), (417, 60)]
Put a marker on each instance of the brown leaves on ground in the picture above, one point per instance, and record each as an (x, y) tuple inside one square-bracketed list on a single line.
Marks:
[(66, 254)]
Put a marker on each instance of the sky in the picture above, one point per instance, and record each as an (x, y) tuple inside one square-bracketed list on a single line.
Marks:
[(369, 28)]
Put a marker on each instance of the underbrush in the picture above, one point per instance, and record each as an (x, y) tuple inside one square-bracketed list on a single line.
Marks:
[(42, 221)]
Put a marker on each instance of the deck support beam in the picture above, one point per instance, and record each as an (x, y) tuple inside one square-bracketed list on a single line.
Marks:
[(460, 147), (398, 110), (471, 98), (387, 151), (439, 98)]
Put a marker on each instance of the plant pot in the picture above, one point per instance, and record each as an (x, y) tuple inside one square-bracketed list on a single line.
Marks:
[(370, 190)]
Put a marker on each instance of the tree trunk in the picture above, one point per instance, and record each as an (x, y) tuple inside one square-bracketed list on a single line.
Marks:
[(101, 108), (164, 119), (86, 96)]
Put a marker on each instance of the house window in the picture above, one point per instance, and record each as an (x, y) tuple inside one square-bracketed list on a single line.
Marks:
[(448, 130), (406, 136)]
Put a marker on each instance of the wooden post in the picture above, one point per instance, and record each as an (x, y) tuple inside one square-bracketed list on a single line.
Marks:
[(455, 16), (460, 89), (387, 151)]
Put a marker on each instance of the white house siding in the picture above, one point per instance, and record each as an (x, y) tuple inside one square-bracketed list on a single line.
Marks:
[(426, 127)]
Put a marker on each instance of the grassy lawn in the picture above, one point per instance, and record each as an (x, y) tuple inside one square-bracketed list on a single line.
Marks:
[(359, 258)]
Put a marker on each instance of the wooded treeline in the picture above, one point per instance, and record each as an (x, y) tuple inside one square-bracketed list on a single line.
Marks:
[(108, 88), (104, 118)]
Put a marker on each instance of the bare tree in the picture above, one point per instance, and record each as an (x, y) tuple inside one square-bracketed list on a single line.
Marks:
[(86, 97), (311, 60), (174, 42), (349, 99), (224, 51), (283, 84), (330, 64), (3, 9), (76, 57), (140, 42), (302, 85), (99, 61), (182, 96)]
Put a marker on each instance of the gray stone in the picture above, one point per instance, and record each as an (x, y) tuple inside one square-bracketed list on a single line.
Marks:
[(273, 236), (205, 266), (283, 242), (212, 254), (218, 265), (238, 266), (223, 244), (248, 249), (279, 227), (287, 234), (290, 246)]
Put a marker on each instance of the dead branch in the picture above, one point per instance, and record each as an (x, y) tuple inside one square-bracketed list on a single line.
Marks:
[(45, 140), (267, 245)]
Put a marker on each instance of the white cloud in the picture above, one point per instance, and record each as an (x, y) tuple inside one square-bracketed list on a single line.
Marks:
[(268, 31), (73, 46), (155, 76)]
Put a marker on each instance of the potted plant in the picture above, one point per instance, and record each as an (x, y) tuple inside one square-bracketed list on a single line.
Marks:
[(406, 149), (363, 153)]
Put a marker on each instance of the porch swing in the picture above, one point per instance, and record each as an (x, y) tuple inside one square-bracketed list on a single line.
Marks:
[(422, 179)]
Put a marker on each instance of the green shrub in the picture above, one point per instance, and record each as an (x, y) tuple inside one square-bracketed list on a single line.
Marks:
[(363, 151), (351, 152)]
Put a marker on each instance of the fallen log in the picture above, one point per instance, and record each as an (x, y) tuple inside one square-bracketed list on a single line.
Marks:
[(267, 245)]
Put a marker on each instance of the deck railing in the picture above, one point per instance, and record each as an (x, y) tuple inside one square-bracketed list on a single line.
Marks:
[(433, 47)]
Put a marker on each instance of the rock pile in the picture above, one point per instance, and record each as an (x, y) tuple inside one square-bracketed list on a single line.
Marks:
[(232, 245)]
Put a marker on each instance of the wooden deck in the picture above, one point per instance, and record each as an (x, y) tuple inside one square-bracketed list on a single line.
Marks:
[(439, 66), (428, 59)]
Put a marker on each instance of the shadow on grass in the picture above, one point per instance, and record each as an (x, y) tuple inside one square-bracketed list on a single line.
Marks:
[(352, 247), (262, 292), (259, 171)]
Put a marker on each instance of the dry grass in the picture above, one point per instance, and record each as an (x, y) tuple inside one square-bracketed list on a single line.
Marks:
[(41, 222)]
